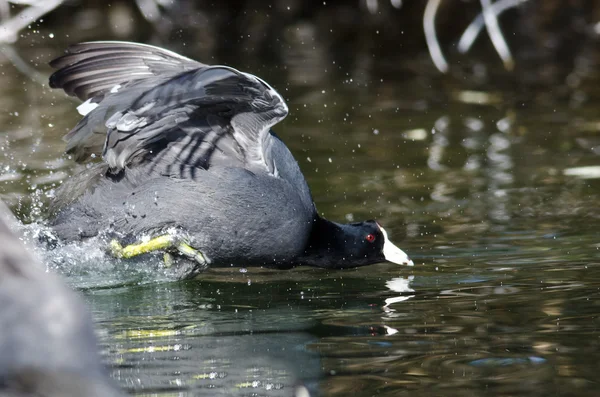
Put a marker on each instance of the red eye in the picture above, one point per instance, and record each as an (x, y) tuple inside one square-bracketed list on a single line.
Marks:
[(370, 238)]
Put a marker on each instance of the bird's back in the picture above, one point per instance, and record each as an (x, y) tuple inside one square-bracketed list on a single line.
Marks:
[(186, 146)]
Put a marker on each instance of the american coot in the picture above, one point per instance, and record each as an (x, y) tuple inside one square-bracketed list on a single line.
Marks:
[(191, 164), (47, 343)]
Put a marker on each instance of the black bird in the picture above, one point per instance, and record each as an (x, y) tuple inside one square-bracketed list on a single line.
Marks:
[(47, 343), (192, 165)]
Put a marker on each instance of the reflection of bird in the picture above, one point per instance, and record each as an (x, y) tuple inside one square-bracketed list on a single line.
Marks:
[(188, 147), (47, 344)]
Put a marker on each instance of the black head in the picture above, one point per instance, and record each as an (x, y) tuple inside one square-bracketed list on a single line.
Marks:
[(337, 246)]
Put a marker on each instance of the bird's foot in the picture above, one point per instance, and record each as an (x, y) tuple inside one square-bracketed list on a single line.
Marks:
[(132, 250), (167, 242)]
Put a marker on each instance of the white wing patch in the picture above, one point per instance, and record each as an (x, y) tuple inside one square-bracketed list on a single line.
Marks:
[(87, 107)]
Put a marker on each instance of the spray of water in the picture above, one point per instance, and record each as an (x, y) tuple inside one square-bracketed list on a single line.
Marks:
[(88, 264)]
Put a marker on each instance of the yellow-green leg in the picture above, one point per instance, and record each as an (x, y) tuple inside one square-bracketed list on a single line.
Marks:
[(133, 250), (164, 242)]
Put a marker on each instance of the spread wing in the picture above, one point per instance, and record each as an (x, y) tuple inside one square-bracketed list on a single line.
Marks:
[(179, 117), (91, 69)]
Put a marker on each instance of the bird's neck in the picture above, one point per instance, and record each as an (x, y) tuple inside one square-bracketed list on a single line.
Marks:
[(326, 243)]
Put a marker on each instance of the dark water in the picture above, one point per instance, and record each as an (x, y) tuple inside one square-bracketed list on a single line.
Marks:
[(493, 187)]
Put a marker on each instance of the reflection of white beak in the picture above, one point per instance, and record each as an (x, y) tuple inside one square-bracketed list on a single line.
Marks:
[(393, 253), (400, 284)]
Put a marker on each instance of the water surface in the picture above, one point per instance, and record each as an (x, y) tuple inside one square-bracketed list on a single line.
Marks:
[(492, 190)]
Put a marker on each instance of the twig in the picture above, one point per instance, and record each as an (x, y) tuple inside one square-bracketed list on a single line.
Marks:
[(11, 27), (470, 34), (491, 25), (435, 52), (21, 65), (4, 9), (149, 10)]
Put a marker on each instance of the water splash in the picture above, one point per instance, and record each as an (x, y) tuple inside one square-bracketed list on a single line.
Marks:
[(87, 264)]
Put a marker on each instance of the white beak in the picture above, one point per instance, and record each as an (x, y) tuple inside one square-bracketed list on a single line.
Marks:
[(393, 253)]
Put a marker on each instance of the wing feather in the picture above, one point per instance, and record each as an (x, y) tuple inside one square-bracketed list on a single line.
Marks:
[(173, 113), (111, 58)]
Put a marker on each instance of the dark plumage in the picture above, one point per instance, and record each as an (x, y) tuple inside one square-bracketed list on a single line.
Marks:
[(189, 146), (47, 344)]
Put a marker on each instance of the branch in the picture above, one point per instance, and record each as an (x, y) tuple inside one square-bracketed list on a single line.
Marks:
[(435, 52)]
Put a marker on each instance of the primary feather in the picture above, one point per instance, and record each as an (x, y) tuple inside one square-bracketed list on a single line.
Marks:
[(149, 105)]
